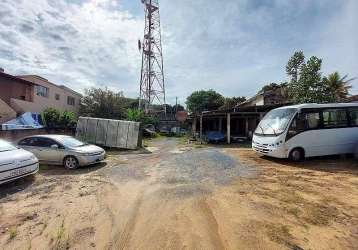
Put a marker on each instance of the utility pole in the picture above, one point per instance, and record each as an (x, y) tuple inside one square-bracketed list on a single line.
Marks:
[(152, 88), (176, 104)]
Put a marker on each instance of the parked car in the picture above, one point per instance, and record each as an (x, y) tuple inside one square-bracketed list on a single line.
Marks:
[(164, 130), (16, 163), (215, 136), (62, 150), (149, 130)]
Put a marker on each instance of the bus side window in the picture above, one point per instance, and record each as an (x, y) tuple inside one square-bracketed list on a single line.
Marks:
[(313, 120), (354, 117)]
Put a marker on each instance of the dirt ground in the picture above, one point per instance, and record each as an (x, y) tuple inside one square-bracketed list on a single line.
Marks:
[(174, 196)]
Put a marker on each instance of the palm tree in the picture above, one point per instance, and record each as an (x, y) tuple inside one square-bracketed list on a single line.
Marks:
[(338, 86)]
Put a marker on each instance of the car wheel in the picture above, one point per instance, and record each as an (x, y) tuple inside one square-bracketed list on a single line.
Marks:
[(70, 162), (297, 154)]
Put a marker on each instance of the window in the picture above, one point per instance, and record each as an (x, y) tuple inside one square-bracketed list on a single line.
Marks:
[(275, 122), (41, 91), (353, 113), (297, 126), (32, 141), (335, 118), (57, 97), (70, 100), (312, 120), (45, 142)]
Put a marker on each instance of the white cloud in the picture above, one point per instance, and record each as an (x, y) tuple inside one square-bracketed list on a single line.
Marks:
[(338, 44), (79, 45), (233, 46)]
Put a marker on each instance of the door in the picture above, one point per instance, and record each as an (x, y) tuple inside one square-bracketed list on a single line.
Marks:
[(30, 144), (49, 150), (305, 132)]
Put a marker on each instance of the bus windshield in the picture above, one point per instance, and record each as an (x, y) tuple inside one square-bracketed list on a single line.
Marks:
[(275, 121)]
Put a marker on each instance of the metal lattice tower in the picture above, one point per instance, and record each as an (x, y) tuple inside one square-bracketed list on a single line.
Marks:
[(152, 89)]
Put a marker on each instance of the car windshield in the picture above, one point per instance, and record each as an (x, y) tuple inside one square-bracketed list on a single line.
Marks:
[(275, 121), (72, 142), (6, 146)]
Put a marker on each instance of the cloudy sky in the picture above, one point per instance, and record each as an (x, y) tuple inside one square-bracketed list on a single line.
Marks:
[(232, 46)]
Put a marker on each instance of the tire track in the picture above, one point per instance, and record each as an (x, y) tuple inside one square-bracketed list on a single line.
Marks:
[(122, 239), (212, 225)]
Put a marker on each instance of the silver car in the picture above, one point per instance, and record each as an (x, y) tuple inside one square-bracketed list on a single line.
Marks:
[(62, 150)]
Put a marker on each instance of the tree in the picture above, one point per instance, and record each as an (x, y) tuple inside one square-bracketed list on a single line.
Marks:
[(231, 102), (306, 85), (104, 103), (204, 100), (338, 86), (273, 86), (294, 65)]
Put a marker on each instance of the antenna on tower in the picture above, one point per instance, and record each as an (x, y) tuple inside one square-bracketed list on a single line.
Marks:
[(152, 88)]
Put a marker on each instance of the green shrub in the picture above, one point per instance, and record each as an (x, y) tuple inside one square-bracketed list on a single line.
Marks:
[(68, 119), (51, 117), (137, 115)]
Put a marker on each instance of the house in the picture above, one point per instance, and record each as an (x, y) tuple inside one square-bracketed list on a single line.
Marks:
[(352, 98), (273, 96), (31, 93), (237, 124), (240, 122)]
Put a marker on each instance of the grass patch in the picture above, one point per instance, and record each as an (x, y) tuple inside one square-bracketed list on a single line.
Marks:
[(183, 140), (279, 233), (44, 167), (320, 214), (291, 197), (12, 232), (295, 211), (62, 241), (199, 146), (286, 195)]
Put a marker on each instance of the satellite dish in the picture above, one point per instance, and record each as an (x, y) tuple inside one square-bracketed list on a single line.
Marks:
[(143, 1), (139, 45)]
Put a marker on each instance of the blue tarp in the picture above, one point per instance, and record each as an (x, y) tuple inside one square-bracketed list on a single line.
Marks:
[(27, 120)]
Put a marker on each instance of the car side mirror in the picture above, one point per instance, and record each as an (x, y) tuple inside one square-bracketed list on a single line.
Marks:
[(54, 146)]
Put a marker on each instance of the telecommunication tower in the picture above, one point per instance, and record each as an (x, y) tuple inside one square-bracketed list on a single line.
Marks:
[(152, 89)]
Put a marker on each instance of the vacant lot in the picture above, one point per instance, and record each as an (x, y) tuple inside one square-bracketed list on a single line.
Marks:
[(172, 196)]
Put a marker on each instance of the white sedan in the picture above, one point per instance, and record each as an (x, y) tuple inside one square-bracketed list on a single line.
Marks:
[(16, 163)]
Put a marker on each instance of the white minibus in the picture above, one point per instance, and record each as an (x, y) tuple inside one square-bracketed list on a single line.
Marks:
[(307, 130)]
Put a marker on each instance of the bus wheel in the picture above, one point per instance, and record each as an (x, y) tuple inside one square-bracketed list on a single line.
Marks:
[(297, 154)]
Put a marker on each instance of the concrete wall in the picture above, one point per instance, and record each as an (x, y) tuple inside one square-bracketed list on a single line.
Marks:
[(23, 106), (50, 101), (6, 112), (109, 133)]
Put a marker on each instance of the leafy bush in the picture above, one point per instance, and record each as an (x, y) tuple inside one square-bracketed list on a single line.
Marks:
[(53, 118), (137, 115), (68, 119)]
